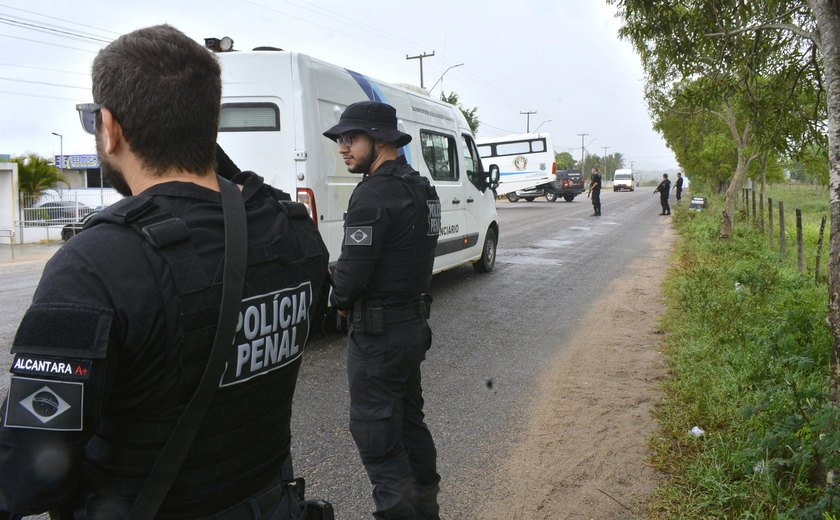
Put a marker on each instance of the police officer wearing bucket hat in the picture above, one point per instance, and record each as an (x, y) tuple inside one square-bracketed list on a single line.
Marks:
[(382, 280)]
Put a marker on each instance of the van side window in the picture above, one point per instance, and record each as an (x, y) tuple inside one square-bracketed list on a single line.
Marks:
[(439, 153), (249, 117), (472, 161)]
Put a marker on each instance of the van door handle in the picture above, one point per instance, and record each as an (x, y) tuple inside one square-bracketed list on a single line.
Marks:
[(470, 199), (456, 201)]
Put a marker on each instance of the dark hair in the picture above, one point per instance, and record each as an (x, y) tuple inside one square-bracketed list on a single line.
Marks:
[(164, 89)]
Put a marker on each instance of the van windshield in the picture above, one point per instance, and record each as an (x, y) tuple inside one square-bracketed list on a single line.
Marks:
[(622, 177)]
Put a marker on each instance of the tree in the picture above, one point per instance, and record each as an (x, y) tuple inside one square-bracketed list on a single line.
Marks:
[(564, 161), (470, 114), (759, 83), (36, 175), (792, 41)]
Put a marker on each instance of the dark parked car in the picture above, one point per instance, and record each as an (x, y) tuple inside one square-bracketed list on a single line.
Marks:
[(61, 211), (74, 228), (568, 184)]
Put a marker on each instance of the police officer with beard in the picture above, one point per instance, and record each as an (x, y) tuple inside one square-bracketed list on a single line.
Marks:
[(122, 322), (382, 280)]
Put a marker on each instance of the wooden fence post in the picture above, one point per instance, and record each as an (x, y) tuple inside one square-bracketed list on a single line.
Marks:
[(819, 252), (747, 203), (770, 221), (761, 213), (782, 241), (800, 252), (753, 203)]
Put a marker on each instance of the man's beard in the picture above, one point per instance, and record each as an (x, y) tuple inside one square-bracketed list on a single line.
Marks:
[(363, 164), (115, 176)]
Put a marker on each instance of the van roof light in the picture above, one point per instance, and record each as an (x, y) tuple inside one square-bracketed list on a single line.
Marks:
[(224, 44)]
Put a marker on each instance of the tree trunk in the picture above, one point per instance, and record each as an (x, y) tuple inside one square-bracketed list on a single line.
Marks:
[(827, 15), (741, 141)]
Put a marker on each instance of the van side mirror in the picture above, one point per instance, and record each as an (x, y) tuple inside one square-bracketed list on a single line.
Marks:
[(493, 177)]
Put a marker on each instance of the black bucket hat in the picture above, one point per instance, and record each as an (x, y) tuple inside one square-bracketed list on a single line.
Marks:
[(378, 120)]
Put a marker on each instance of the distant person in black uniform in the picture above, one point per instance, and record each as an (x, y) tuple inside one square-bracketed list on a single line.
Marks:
[(123, 319), (382, 279), (595, 191), (678, 184), (664, 190)]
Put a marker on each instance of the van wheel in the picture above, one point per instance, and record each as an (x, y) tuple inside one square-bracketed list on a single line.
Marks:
[(487, 261), (568, 198), (550, 196), (513, 197), (530, 199)]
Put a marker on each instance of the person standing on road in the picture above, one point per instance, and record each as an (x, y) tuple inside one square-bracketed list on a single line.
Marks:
[(678, 184), (595, 191), (664, 190), (382, 278), (122, 322)]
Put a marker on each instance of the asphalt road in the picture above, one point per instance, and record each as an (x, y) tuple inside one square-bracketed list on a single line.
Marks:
[(493, 334)]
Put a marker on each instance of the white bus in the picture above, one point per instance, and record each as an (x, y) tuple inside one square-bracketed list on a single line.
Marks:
[(524, 160)]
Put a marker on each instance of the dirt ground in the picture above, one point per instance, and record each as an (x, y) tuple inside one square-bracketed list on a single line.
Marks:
[(584, 455)]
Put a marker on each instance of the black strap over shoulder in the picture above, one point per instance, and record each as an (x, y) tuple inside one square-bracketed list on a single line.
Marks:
[(169, 461)]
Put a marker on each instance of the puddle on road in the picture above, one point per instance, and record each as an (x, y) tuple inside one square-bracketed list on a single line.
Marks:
[(553, 242), (510, 257)]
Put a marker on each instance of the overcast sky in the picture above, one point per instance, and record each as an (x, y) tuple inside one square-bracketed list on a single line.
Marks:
[(562, 59)]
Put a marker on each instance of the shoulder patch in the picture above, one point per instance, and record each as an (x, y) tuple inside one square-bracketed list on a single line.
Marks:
[(434, 217), (358, 235), (60, 368), (73, 330), (41, 404)]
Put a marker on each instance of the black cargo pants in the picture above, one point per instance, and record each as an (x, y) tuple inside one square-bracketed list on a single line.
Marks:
[(663, 201), (386, 419)]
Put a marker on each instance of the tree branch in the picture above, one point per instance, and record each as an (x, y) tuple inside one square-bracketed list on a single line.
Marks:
[(780, 26)]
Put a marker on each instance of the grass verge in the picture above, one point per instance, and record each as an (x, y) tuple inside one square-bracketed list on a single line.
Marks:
[(748, 348)]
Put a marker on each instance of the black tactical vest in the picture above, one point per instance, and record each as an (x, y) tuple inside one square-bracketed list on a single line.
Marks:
[(245, 436), (410, 271)]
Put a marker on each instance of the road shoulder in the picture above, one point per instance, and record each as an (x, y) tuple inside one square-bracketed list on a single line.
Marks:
[(583, 452)]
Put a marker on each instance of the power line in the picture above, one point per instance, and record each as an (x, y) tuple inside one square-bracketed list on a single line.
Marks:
[(63, 21), (37, 95), (43, 83), (47, 43), (48, 30), (45, 69)]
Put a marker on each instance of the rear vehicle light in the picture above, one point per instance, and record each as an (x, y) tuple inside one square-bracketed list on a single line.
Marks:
[(566, 183), (554, 168), (307, 198)]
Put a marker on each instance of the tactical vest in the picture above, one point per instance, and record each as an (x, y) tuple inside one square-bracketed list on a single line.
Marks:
[(412, 270), (245, 436)]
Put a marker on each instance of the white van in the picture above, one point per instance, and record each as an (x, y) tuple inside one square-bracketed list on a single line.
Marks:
[(524, 160), (624, 179), (275, 106)]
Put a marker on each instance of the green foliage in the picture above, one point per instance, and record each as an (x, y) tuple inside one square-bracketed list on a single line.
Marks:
[(811, 167), (470, 114), (748, 348), (37, 174), (564, 161)]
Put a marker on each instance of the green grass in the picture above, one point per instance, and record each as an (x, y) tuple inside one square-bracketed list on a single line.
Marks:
[(748, 349)]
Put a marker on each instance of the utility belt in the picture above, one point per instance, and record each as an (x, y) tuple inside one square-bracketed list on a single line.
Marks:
[(265, 505), (370, 317)]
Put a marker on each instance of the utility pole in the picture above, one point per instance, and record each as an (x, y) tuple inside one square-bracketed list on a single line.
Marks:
[(420, 57), (528, 120), (606, 164), (582, 173), (61, 146)]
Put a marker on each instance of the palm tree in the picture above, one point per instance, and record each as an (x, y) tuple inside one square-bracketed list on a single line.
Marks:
[(36, 175)]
